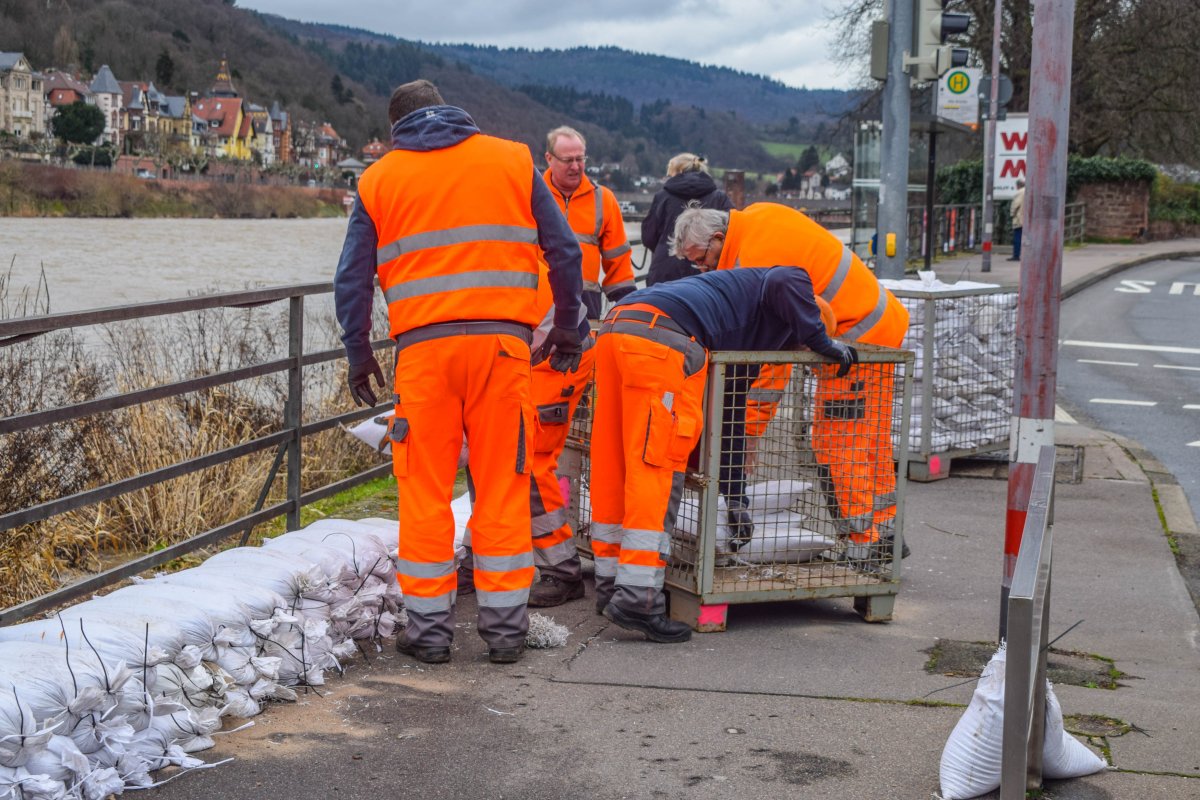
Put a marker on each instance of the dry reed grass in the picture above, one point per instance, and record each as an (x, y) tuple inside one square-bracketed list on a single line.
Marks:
[(48, 463)]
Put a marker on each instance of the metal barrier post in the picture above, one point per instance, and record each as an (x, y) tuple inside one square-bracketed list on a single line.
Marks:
[(1028, 637), (294, 409)]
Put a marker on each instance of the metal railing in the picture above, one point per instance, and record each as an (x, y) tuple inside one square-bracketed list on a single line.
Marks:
[(1028, 620), (286, 441), (959, 228)]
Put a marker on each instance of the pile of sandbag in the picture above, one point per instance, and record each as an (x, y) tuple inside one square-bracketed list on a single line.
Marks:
[(779, 535), (965, 402), (110, 690)]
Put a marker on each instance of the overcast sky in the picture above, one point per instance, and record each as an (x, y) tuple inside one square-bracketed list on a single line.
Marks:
[(788, 41)]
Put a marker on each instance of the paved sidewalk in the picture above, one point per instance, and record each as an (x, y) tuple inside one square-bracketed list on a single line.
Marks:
[(795, 700)]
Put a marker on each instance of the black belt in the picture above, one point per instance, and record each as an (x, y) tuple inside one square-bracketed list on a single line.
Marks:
[(440, 330), (637, 315)]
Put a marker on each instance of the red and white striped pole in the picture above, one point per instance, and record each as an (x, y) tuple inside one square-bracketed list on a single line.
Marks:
[(1036, 377)]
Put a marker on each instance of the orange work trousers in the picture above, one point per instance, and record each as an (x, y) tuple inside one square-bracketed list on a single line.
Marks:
[(762, 400), (649, 415), (852, 442), (556, 396), (478, 384)]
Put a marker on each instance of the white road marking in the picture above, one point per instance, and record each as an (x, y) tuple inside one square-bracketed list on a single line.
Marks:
[(1191, 407), (1119, 346), (1172, 366), (1109, 363), (1062, 416), (1107, 401), (1193, 444)]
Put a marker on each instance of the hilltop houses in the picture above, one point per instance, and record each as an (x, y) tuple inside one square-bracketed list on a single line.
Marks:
[(187, 130)]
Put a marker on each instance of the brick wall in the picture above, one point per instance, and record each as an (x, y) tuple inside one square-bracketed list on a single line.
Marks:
[(1116, 210)]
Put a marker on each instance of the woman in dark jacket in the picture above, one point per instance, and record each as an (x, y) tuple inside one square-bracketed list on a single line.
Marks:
[(687, 180)]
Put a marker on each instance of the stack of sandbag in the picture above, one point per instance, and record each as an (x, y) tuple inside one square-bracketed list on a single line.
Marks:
[(966, 401), (972, 758), (779, 536)]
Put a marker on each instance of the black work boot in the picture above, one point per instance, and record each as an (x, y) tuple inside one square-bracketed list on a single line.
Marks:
[(657, 627), (741, 526), (552, 590), (506, 655), (427, 655)]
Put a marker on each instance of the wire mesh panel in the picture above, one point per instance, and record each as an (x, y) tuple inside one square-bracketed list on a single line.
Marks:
[(792, 492), (963, 374)]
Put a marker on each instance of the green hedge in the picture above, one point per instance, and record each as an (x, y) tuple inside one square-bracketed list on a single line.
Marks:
[(1175, 202), (963, 182)]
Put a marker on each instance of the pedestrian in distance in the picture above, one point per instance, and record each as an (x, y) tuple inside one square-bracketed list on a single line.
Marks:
[(594, 215), (454, 224), (651, 365), (851, 435), (1016, 211), (687, 180)]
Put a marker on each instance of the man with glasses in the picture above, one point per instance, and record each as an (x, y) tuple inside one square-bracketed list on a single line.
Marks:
[(594, 215)]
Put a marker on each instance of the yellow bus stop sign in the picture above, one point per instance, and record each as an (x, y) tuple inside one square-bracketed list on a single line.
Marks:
[(958, 82)]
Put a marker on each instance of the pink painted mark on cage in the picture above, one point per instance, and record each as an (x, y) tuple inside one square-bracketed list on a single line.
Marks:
[(935, 465), (564, 486), (713, 615)]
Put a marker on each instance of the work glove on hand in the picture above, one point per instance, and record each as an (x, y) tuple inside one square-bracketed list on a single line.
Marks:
[(563, 347), (359, 381), (616, 295), (741, 527), (845, 355)]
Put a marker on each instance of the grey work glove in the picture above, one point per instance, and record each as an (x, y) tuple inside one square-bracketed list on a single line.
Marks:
[(616, 295), (563, 347), (843, 354), (359, 381)]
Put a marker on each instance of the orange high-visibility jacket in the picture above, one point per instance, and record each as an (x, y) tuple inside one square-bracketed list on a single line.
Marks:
[(443, 259), (594, 214), (770, 235)]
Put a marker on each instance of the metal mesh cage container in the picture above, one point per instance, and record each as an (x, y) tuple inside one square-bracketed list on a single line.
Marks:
[(815, 457), (964, 341)]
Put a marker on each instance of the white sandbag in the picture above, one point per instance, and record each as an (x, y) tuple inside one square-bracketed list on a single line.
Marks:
[(111, 641), (62, 761), (187, 642), (174, 602), (21, 734), (770, 497), (1064, 756), (300, 581), (971, 759), (18, 783), (260, 602), (373, 432), (782, 539)]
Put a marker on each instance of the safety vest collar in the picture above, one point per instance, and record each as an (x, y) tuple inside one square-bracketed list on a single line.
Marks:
[(585, 187), (733, 241)]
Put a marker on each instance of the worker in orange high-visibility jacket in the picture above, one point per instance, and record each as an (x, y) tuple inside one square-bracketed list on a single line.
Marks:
[(594, 215), (454, 223), (651, 365), (851, 426), (556, 395)]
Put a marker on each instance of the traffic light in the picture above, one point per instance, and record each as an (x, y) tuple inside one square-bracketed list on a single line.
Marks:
[(930, 56)]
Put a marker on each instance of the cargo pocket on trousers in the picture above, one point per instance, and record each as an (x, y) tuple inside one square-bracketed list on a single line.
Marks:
[(660, 435), (552, 423), (398, 434), (525, 437)]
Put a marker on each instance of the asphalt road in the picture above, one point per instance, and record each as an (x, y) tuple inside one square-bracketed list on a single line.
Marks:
[(1129, 362)]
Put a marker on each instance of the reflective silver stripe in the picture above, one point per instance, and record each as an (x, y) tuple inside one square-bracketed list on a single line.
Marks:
[(548, 523), (587, 238), (886, 500), (656, 541), (869, 321), (694, 354), (509, 599), (619, 285), (606, 566), (424, 569), (597, 197), (765, 395), (591, 286), (609, 532), (616, 251), (478, 279), (637, 575), (502, 563), (471, 327), (839, 275), (558, 554), (429, 605), (467, 233)]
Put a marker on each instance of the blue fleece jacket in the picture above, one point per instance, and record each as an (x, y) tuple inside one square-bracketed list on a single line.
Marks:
[(436, 128)]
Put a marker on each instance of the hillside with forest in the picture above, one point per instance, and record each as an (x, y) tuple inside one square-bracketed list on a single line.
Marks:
[(323, 73)]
